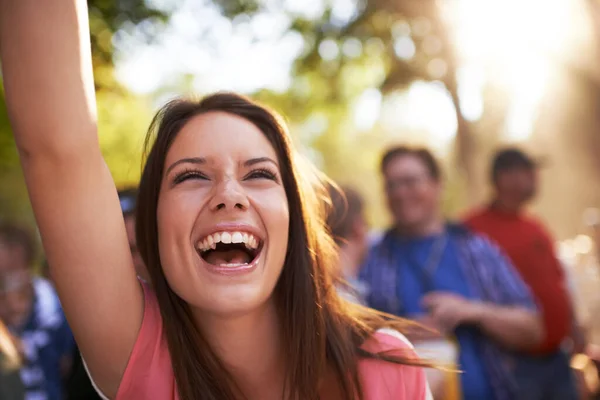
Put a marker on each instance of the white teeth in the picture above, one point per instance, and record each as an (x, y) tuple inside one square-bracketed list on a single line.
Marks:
[(237, 237), (210, 242), (226, 237)]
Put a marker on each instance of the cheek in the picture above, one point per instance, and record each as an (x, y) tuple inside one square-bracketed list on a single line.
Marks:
[(430, 198), (404, 200), (175, 220), (17, 302), (279, 222), (274, 211)]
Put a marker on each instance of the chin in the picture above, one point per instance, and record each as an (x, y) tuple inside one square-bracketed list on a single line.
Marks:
[(245, 301), (225, 294)]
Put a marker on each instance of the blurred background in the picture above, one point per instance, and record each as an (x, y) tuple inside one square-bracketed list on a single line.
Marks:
[(351, 76)]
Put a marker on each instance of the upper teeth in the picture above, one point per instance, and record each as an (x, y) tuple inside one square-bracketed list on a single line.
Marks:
[(210, 242)]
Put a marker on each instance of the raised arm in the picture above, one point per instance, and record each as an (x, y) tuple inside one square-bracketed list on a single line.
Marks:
[(47, 71)]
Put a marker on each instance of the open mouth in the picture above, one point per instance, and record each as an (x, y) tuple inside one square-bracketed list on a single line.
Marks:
[(230, 249)]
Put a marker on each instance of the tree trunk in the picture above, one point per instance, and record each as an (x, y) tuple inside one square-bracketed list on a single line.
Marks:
[(465, 139)]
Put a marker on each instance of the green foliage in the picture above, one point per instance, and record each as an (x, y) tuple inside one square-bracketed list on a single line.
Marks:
[(123, 118), (342, 59), (122, 123), (106, 18)]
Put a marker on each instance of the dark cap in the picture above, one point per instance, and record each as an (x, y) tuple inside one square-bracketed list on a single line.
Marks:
[(512, 158), (128, 199)]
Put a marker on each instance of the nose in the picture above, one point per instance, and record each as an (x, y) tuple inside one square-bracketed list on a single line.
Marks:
[(229, 195)]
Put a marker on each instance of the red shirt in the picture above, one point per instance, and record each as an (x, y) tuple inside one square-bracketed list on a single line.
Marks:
[(531, 250)]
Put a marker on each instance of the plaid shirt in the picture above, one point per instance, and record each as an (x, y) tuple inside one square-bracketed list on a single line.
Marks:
[(46, 339), (490, 276)]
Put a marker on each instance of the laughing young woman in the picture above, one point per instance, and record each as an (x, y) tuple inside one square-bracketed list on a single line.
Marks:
[(242, 305)]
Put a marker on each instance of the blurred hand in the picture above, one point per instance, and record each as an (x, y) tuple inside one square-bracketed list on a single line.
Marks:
[(11, 346), (449, 310), (423, 329), (578, 336)]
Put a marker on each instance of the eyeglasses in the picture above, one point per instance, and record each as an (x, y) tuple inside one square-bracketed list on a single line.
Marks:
[(407, 182)]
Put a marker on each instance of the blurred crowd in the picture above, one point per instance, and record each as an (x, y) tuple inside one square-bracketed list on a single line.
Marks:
[(503, 305), (495, 298)]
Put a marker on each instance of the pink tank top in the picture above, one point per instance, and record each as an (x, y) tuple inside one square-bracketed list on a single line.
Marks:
[(149, 374)]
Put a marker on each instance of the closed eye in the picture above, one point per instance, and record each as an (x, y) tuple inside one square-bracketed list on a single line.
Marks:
[(262, 173), (188, 174)]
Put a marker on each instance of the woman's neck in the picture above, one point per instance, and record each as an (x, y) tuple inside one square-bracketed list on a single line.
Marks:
[(250, 348)]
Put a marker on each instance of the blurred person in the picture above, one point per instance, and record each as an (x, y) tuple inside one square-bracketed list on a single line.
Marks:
[(31, 310), (591, 219), (348, 226), (11, 387), (450, 279), (229, 226), (596, 238), (530, 247), (128, 200)]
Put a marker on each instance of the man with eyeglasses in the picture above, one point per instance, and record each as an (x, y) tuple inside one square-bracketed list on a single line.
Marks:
[(450, 279)]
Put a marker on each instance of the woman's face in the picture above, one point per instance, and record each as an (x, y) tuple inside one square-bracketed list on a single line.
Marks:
[(222, 215)]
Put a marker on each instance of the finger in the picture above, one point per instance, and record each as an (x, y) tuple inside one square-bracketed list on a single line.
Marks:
[(448, 322), (438, 315), (447, 312), (436, 297), (453, 320), (430, 300)]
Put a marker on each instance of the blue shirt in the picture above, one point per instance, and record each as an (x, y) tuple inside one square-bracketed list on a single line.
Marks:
[(489, 276), (46, 339), (420, 273)]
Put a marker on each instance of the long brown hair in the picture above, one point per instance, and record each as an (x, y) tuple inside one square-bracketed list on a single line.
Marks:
[(321, 332)]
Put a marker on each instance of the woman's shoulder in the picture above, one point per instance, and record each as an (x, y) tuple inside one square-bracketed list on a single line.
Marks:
[(383, 379), (148, 372), (389, 341)]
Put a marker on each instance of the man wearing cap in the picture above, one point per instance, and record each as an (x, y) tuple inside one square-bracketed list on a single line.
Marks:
[(530, 247)]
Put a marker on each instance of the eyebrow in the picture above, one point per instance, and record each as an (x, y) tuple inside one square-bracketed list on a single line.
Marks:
[(254, 161), (200, 161), (191, 160)]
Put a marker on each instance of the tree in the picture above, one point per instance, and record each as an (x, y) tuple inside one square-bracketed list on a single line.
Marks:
[(385, 45), (122, 116)]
